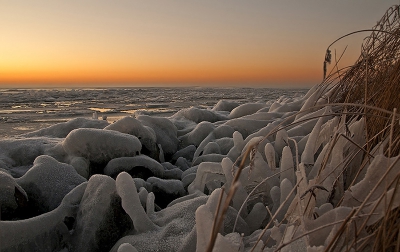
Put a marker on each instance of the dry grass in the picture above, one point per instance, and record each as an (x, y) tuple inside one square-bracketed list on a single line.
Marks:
[(369, 89), (374, 79)]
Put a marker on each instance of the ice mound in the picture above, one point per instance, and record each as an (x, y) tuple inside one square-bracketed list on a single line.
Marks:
[(145, 134), (246, 109), (166, 190), (61, 130), (197, 135), (140, 166), (12, 196), (100, 146), (100, 220), (199, 115), (166, 133), (47, 182), (224, 105), (46, 232), (16, 152)]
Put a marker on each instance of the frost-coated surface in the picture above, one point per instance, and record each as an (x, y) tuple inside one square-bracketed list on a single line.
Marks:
[(101, 145)]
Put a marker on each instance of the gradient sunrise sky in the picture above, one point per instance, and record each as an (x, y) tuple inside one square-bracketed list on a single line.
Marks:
[(159, 42)]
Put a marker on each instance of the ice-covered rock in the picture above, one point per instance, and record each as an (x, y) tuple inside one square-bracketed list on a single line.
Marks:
[(187, 153), (61, 130), (245, 109), (182, 163), (196, 136), (81, 166), (145, 134), (46, 232), (211, 148), (175, 173), (199, 115), (225, 144), (47, 182), (126, 247), (218, 133), (100, 146), (166, 133), (100, 220), (166, 190), (23, 151), (224, 105), (140, 166), (247, 126), (12, 196)]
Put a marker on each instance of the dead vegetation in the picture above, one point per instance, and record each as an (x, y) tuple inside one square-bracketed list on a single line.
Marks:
[(357, 170)]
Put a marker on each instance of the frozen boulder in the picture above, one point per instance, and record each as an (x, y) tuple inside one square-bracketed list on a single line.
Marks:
[(166, 190), (126, 247), (12, 196), (225, 144), (199, 115), (101, 220), (187, 153), (47, 182), (140, 166), (145, 134), (23, 151), (166, 133), (46, 232), (196, 136), (219, 132), (183, 164), (175, 173), (61, 130), (247, 126), (211, 148), (246, 109), (100, 146), (224, 105), (81, 166)]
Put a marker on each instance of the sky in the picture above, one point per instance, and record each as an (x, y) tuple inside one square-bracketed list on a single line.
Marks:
[(182, 42)]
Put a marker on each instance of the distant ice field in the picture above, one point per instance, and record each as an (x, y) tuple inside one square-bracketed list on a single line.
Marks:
[(25, 110)]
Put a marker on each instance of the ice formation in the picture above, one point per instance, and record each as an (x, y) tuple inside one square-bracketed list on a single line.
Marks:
[(145, 134), (100, 146), (47, 182), (158, 183)]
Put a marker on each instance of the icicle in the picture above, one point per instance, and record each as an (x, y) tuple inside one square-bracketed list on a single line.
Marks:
[(287, 166), (270, 155)]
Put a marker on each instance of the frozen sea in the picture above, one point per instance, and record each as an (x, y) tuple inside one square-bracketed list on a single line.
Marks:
[(25, 110)]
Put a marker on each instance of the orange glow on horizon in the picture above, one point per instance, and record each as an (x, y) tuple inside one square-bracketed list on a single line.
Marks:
[(179, 75)]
